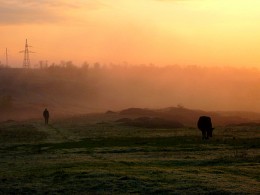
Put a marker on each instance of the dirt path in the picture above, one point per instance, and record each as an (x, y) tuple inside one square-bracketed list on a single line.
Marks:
[(55, 134)]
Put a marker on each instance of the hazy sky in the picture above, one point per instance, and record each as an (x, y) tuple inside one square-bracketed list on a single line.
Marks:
[(202, 32)]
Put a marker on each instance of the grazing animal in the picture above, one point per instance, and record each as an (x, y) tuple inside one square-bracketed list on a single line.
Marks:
[(205, 125)]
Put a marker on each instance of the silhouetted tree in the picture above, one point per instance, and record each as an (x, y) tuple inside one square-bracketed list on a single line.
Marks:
[(97, 65), (70, 65), (85, 66)]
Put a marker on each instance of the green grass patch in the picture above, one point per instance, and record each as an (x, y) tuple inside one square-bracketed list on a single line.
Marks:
[(105, 159)]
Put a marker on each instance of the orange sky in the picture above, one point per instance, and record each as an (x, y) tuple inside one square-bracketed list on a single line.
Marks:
[(163, 32)]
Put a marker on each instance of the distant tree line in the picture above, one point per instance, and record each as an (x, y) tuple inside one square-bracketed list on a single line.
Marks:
[(105, 86)]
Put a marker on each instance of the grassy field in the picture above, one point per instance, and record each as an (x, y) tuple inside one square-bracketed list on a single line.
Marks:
[(90, 155)]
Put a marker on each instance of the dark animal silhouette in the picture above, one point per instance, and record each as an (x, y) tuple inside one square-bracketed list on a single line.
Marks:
[(205, 125), (46, 116)]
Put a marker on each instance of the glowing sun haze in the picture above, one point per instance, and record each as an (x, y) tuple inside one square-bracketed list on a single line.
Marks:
[(202, 32)]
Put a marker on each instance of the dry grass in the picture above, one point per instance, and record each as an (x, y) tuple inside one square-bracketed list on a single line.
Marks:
[(85, 156)]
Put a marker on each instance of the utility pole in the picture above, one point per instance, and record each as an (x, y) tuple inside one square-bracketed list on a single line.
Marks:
[(6, 58), (26, 59)]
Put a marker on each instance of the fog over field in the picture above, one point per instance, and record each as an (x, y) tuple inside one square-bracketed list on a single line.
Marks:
[(96, 88), (107, 97)]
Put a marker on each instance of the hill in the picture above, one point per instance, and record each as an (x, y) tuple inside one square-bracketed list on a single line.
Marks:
[(189, 117)]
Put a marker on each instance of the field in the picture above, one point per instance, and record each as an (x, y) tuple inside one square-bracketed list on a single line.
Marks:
[(94, 155)]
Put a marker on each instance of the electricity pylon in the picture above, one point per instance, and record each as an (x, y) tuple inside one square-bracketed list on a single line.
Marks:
[(26, 59)]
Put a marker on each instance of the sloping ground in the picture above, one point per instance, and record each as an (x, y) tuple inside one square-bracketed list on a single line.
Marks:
[(188, 117), (83, 155), (150, 122)]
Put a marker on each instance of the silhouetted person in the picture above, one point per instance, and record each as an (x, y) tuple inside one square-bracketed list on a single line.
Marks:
[(46, 116)]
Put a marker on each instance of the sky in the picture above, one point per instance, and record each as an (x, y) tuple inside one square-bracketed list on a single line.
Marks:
[(161, 32)]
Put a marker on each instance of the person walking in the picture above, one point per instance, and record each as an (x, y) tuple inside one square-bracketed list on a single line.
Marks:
[(46, 116)]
